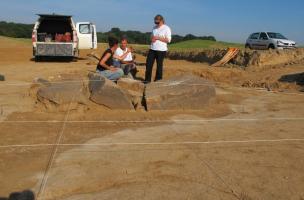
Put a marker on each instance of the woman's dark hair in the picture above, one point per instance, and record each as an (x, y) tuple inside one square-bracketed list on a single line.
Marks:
[(112, 41), (25, 195), (159, 17)]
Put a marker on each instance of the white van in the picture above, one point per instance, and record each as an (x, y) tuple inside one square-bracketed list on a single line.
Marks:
[(57, 36)]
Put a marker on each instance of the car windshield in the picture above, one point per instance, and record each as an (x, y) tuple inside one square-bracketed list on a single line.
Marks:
[(276, 35)]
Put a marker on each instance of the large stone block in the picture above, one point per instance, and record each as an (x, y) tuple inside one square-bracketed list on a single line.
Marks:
[(107, 93), (63, 95), (185, 92), (131, 84), (134, 90)]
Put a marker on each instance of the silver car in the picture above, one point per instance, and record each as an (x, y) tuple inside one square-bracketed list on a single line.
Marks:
[(269, 40)]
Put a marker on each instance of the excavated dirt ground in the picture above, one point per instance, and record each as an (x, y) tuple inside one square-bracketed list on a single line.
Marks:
[(248, 144)]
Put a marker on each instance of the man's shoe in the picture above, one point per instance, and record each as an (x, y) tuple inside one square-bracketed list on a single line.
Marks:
[(2, 77)]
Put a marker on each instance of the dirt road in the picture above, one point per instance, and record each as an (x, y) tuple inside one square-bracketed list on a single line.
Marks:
[(248, 144)]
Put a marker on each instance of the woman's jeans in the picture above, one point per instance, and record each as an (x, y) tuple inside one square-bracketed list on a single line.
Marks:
[(112, 75)]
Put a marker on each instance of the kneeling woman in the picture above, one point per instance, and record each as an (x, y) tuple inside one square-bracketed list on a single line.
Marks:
[(105, 66)]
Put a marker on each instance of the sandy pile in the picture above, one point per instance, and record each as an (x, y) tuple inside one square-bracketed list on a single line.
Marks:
[(245, 58)]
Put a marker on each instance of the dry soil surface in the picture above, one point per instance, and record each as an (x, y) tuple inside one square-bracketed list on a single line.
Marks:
[(247, 144)]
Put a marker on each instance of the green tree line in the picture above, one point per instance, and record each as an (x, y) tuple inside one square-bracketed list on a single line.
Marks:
[(137, 37), (18, 30)]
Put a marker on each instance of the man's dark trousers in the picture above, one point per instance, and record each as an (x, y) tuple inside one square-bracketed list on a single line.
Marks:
[(159, 56)]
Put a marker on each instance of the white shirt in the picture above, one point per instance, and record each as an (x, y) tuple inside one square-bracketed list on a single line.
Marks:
[(163, 31), (119, 52)]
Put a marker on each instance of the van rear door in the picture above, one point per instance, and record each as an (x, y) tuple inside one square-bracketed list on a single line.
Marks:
[(94, 37), (87, 35)]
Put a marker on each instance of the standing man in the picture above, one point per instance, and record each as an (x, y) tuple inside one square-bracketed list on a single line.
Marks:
[(161, 36)]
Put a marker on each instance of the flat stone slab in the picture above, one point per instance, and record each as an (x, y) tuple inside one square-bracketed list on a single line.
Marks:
[(62, 94), (185, 92), (107, 93)]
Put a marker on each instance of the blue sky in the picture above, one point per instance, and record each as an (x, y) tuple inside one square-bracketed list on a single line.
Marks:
[(230, 20)]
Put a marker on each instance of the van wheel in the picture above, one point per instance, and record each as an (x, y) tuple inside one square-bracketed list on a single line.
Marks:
[(247, 46), (37, 58), (271, 46)]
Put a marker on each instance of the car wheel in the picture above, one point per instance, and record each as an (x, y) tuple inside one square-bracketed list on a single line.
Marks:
[(247, 46), (271, 46)]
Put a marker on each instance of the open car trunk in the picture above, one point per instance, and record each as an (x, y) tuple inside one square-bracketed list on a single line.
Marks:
[(55, 29)]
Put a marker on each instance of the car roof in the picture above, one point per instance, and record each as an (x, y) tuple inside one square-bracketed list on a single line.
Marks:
[(54, 15), (265, 32)]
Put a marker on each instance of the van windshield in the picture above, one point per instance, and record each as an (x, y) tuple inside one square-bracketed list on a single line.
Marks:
[(276, 35)]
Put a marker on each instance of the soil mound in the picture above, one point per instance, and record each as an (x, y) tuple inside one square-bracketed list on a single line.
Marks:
[(245, 58)]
